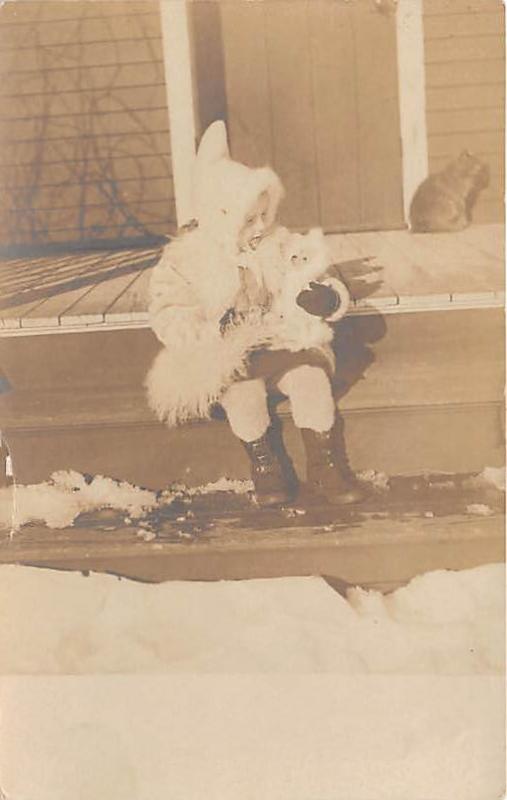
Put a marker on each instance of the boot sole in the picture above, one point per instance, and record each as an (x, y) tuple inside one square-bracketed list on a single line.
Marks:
[(346, 499), (271, 501)]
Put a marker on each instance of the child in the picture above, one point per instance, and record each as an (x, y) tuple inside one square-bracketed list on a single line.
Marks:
[(216, 306)]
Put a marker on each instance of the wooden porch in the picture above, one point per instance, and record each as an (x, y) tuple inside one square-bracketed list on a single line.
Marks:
[(405, 526), (426, 326), (425, 329), (391, 272), (76, 345)]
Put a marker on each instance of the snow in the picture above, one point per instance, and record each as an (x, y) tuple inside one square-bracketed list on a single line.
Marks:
[(494, 476), (222, 485), (443, 622), (490, 476), (479, 510), (378, 480), (59, 501), (264, 690)]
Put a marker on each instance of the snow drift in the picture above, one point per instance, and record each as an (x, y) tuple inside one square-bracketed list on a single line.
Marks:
[(441, 623)]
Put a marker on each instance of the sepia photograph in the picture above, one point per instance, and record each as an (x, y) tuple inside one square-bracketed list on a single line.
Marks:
[(252, 411)]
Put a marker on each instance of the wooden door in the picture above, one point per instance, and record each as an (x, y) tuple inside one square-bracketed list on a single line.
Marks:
[(311, 88)]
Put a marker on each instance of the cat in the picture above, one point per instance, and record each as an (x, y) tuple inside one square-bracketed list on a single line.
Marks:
[(445, 200)]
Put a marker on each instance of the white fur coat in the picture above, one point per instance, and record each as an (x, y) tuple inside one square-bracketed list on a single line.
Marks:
[(198, 279), (192, 287)]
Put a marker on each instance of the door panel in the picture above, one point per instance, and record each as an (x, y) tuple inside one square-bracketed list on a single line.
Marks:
[(312, 89)]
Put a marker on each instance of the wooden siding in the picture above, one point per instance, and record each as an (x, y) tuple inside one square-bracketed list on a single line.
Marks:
[(465, 89), (311, 88), (85, 149)]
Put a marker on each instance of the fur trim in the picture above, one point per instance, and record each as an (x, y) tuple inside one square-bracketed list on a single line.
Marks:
[(225, 190), (343, 293), (184, 382), (208, 272)]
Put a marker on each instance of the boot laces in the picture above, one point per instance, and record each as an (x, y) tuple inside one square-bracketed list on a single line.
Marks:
[(332, 455), (328, 457), (263, 459)]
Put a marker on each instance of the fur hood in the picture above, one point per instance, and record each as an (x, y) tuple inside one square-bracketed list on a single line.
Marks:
[(225, 191)]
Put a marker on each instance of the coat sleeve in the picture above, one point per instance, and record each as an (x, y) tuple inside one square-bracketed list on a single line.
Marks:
[(174, 310)]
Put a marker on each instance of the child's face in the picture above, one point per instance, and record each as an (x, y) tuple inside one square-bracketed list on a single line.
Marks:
[(255, 224)]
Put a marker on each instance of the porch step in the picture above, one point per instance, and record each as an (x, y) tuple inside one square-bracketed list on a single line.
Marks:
[(114, 434), (412, 526), (431, 398)]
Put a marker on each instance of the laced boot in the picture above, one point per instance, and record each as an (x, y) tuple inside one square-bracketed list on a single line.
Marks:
[(271, 486), (328, 472)]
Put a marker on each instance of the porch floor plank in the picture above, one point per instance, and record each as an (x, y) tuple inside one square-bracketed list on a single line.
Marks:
[(409, 268), (442, 263), (401, 270), (394, 271), (97, 300), (489, 239), (12, 316), (133, 301), (51, 310), (368, 271)]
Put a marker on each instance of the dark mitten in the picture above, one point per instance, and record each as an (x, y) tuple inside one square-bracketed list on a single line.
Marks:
[(318, 300)]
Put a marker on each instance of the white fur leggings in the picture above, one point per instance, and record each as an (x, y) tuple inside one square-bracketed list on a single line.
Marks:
[(310, 396)]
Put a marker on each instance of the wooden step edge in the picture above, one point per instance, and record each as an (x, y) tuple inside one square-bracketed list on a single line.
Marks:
[(124, 317), (132, 410), (9, 324), (36, 541), (479, 299), (39, 322), (384, 551), (423, 301), (77, 320), (85, 324), (402, 304)]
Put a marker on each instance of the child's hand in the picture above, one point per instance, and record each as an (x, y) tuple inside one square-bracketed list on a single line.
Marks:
[(318, 300)]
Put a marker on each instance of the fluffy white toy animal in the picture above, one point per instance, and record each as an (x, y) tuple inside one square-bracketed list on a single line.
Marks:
[(303, 258)]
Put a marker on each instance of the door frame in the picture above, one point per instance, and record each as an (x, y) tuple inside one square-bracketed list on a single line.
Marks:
[(182, 102), (180, 90)]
